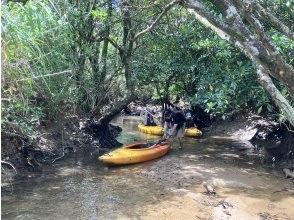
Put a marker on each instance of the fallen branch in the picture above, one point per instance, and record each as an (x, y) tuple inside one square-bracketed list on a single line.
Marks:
[(156, 21)]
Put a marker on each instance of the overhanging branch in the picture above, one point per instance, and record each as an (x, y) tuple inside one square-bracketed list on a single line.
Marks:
[(113, 43), (116, 108), (267, 83), (279, 25), (247, 42), (156, 21)]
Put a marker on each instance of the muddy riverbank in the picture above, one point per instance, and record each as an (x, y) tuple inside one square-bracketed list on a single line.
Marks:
[(172, 187), (54, 140)]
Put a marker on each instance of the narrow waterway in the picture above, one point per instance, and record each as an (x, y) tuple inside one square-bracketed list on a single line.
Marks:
[(80, 187)]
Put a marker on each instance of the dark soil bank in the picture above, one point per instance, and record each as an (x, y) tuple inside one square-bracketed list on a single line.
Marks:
[(176, 186)]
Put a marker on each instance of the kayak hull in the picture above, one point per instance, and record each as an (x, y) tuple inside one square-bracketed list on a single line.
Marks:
[(192, 132), (135, 153), (158, 130), (155, 130)]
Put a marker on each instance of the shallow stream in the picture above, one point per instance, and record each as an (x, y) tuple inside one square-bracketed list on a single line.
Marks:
[(80, 187)]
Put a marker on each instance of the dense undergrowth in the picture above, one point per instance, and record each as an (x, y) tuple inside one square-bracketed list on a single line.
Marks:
[(52, 61)]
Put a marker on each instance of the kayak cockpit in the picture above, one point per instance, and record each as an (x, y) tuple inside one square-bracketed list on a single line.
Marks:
[(143, 146)]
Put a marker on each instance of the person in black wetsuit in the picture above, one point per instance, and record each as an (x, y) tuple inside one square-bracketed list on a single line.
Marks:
[(179, 121), (167, 122), (148, 118)]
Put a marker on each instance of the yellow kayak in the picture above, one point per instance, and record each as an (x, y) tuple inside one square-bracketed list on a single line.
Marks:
[(155, 130), (158, 130), (135, 153), (192, 132)]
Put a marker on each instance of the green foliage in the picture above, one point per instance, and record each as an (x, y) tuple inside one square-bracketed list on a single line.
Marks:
[(284, 10), (178, 58), (228, 85), (191, 61), (35, 43), (284, 45), (99, 14), (51, 58)]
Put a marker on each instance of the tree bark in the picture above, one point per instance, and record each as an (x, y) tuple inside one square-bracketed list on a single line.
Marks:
[(234, 30), (268, 16), (261, 51), (267, 83), (106, 42), (100, 75), (116, 108)]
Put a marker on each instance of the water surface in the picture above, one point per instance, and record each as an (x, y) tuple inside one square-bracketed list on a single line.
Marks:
[(80, 187)]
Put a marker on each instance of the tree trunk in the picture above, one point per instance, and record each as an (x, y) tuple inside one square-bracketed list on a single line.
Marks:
[(94, 60), (100, 72), (79, 70), (100, 130), (278, 98), (116, 108), (128, 67), (106, 42), (261, 51)]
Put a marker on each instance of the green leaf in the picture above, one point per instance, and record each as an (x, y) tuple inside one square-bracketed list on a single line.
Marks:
[(259, 110), (99, 14)]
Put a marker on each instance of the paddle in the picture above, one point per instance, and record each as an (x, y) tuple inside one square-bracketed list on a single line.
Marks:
[(152, 143), (161, 140)]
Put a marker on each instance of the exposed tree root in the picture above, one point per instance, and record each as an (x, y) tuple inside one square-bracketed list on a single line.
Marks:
[(103, 133), (10, 165)]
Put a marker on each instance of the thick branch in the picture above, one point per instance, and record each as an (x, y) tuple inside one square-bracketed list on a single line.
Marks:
[(209, 20), (156, 21), (237, 36), (274, 21), (259, 29), (283, 71), (126, 21), (269, 64), (113, 43), (116, 108), (280, 101)]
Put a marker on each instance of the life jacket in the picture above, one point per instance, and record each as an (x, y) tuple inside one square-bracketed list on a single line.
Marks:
[(167, 115), (179, 118)]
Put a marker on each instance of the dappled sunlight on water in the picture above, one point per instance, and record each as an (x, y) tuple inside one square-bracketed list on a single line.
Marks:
[(80, 187)]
